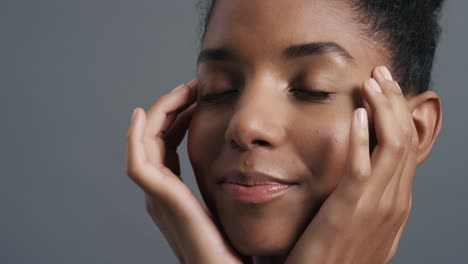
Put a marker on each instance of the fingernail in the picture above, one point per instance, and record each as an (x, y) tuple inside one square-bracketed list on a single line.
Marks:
[(133, 115), (362, 117), (398, 87), (178, 88), (373, 83), (385, 73)]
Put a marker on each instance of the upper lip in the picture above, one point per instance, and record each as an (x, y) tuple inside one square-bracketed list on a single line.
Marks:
[(252, 178)]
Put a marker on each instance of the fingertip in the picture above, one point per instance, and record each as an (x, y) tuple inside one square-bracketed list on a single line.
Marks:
[(135, 114), (135, 150), (131, 127), (359, 157), (136, 121), (382, 73), (362, 117), (359, 127), (359, 132), (374, 85), (385, 73), (385, 79)]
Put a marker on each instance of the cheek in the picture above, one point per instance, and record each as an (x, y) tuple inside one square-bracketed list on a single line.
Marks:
[(335, 161), (204, 141), (327, 153), (338, 141)]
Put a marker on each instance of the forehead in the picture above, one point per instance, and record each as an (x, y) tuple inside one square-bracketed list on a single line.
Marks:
[(260, 29)]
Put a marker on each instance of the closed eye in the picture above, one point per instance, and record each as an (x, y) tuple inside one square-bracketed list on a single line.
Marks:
[(302, 94), (214, 98), (310, 95)]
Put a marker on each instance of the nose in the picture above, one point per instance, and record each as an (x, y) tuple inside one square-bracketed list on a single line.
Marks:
[(257, 120)]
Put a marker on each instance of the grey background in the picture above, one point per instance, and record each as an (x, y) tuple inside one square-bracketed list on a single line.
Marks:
[(70, 74)]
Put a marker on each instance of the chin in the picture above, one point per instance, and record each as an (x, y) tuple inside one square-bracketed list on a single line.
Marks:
[(252, 246), (264, 230), (265, 236)]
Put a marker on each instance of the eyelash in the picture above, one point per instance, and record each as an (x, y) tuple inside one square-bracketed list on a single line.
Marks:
[(214, 98), (310, 95), (301, 94)]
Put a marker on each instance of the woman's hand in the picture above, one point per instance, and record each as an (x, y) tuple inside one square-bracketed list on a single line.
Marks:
[(153, 164), (363, 219)]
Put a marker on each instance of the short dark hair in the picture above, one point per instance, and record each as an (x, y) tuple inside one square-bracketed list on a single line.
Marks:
[(408, 29)]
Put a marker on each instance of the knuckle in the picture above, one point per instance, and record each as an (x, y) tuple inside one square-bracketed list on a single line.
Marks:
[(386, 208), (360, 173), (395, 146), (407, 132)]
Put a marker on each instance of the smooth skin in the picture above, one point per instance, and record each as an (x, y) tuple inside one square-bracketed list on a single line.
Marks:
[(374, 196), (153, 163), (366, 207)]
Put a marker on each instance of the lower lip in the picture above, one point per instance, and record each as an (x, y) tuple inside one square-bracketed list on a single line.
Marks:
[(256, 193)]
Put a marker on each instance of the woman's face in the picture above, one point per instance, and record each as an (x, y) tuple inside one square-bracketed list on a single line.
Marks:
[(264, 56)]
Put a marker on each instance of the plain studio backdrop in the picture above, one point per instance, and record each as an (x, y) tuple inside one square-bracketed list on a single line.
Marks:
[(71, 72)]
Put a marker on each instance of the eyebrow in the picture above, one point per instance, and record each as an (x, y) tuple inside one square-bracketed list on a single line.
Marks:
[(317, 48), (216, 54), (291, 52)]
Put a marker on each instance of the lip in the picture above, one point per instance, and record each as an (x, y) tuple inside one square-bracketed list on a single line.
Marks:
[(253, 187)]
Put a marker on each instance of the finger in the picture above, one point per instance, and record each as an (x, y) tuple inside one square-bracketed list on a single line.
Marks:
[(387, 153), (177, 131), (383, 76), (135, 155), (165, 111), (409, 135), (399, 104), (395, 198), (401, 109), (358, 166), (161, 116), (173, 138)]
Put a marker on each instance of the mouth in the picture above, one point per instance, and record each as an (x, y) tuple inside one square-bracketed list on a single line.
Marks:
[(254, 187)]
